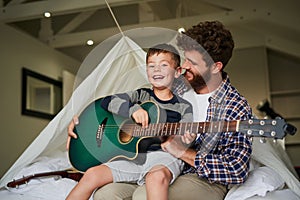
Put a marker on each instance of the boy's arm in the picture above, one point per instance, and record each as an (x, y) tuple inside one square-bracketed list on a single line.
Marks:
[(119, 104), (187, 113), (127, 105)]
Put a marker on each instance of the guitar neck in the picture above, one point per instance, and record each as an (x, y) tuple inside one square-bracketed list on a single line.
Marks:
[(64, 174), (167, 129)]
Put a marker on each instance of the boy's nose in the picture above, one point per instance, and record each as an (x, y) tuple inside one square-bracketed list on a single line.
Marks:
[(157, 68)]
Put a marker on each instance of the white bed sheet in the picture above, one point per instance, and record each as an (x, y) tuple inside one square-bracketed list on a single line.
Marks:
[(285, 194), (50, 190), (259, 186)]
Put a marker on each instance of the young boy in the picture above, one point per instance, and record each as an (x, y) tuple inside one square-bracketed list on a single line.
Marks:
[(160, 168)]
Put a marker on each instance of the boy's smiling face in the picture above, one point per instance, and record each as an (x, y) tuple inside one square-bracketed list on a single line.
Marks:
[(161, 70)]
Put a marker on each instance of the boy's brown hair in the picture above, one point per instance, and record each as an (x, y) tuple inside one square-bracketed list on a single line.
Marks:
[(164, 48)]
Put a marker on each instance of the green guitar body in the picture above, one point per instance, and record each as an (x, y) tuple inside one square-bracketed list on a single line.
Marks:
[(100, 137)]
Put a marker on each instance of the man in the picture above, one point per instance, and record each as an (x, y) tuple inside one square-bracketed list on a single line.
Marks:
[(218, 160)]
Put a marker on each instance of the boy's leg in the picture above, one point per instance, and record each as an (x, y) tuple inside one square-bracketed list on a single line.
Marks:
[(161, 158), (122, 171), (188, 187), (157, 182), (160, 170), (93, 178)]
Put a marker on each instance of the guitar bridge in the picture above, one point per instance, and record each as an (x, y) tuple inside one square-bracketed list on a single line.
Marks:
[(100, 132)]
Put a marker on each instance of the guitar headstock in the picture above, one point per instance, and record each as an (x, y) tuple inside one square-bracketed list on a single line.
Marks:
[(270, 128)]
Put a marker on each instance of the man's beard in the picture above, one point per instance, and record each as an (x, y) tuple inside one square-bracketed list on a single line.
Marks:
[(199, 82)]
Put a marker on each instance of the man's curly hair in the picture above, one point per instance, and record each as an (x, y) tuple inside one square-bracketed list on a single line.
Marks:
[(208, 38)]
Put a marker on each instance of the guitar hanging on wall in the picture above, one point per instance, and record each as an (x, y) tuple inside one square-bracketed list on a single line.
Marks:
[(103, 136)]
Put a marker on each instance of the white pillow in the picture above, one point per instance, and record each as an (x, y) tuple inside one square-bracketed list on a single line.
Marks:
[(260, 181)]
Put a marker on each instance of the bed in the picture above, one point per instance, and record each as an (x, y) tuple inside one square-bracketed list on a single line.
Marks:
[(272, 175), (270, 178)]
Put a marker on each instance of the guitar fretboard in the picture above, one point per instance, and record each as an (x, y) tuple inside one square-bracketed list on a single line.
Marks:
[(167, 129)]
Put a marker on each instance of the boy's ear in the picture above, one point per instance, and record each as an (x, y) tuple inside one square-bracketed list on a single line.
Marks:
[(178, 71)]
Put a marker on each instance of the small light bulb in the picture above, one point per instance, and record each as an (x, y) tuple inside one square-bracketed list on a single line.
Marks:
[(47, 14), (90, 42), (180, 30)]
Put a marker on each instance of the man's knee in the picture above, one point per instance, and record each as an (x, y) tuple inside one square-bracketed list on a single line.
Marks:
[(115, 191), (188, 186), (140, 193)]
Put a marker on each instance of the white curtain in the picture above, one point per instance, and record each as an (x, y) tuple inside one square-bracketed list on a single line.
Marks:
[(68, 83)]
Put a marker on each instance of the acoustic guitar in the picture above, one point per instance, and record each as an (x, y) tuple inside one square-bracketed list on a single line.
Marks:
[(103, 136)]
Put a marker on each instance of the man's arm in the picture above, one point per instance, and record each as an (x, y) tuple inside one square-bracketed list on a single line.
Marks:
[(230, 164)]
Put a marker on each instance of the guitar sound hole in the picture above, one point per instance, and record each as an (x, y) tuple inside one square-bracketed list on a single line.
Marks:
[(126, 132), (125, 137)]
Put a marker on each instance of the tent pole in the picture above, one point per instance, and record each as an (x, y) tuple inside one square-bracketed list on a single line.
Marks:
[(111, 12)]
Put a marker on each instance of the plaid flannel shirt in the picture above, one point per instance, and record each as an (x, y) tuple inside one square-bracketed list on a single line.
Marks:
[(222, 157)]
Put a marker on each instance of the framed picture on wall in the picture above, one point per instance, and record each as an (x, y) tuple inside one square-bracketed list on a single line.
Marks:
[(41, 95)]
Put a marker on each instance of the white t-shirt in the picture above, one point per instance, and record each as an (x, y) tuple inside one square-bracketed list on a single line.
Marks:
[(200, 104)]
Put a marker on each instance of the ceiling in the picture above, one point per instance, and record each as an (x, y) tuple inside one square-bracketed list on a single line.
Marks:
[(272, 23)]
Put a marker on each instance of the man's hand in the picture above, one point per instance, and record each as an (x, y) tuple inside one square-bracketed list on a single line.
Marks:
[(174, 146), (71, 127), (188, 138), (178, 146), (141, 117)]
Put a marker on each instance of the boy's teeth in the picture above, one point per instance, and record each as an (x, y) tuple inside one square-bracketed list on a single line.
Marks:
[(157, 77)]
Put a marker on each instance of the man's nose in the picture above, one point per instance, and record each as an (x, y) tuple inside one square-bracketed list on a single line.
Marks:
[(185, 65)]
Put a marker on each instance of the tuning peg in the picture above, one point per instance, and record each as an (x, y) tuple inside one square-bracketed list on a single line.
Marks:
[(261, 132), (262, 140), (273, 133)]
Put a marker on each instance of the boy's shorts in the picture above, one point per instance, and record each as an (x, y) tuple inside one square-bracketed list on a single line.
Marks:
[(128, 171)]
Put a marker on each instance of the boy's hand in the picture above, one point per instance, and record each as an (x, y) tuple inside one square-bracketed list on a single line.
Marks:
[(71, 126), (141, 117)]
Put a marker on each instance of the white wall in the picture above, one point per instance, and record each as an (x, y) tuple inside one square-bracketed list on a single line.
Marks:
[(20, 50), (248, 73)]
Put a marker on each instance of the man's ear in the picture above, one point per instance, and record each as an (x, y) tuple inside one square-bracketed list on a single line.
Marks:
[(217, 67)]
